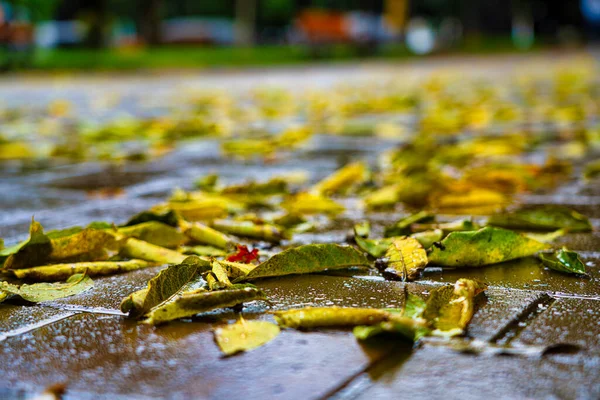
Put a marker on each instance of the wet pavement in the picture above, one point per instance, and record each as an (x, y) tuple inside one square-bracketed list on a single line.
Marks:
[(85, 341)]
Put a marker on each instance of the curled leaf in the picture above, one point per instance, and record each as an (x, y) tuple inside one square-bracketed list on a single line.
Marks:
[(156, 233), (245, 335), (206, 235), (317, 317), (450, 308), (134, 248), (563, 260), (406, 258), (39, 292), (165, 284), (550, 217), (402, 227), (483, 247), (58, 272), (342, 180), (308, 259), (266, 232), (188, 304), (166, 216), (34, 251), (428, 238)]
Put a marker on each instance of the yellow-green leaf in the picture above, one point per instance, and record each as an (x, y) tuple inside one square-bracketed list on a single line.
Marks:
[(450, 308), (308, 259), (563, 260), (188, 304), (165, 284), (406, 258), (317, 317), (58, 272), (245, 336), (39, 292), (156, 233), (549, 218), (483, 247)]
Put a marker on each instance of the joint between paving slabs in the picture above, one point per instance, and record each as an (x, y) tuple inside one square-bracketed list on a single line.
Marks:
[(512, 329)]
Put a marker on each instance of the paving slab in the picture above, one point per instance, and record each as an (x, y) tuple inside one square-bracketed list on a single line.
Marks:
[(566, 321), (103, 355), (16, 319), (528, 273), (439, 373)]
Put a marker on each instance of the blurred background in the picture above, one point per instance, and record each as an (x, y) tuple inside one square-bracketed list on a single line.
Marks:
[(125, 34)]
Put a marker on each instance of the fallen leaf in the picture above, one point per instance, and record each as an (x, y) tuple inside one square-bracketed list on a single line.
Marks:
[(188, 304), (155, 232), (318, 317), (308, 204), (58, 272), (39, 292), (449, 308), (165, 284), (563, 260), (245, 335), (266, 232), (549, 218), (402, 227), (308, 259), (406, 258), (243, 255), (342, 181), (483, 247)]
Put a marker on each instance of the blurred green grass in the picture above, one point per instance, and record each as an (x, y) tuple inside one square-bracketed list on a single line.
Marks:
[(204, 57)]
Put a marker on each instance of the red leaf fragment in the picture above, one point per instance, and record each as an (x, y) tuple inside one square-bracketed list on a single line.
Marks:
[(243, 255)]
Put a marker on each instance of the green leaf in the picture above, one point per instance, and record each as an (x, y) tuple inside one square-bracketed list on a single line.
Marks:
[(245, 336), (39, 292), (205, 234), (269, 188), (406, 258), (592, 170), (165, 284), (266, 232), (414, 306), (450, 308), (86, 245), (546, 237), (205, 251), (402, 227), (563, 261), (374, 247), (308, 259), (318, 317), (34, 251), (550, 217), (58, 272), (410, 328), (188, 304), (483, 247), (134, 248), (447, 227), (155, 232), (428, 238), (362, 229), (168, 217)]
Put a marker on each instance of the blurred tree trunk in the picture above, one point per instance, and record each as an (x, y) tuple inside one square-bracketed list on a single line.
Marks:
[(245, 19), (99, 23), (149, 21)]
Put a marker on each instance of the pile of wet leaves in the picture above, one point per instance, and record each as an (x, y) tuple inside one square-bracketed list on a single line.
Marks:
[(473, 149)]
